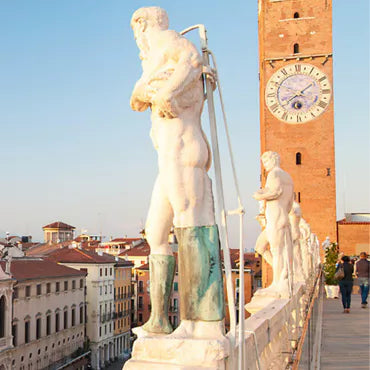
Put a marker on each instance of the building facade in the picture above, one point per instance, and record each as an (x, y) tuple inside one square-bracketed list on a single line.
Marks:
[(47, 321), (354, 234), (100, 303), (6, 309), (296, 102), (58, 232), (122, 302)]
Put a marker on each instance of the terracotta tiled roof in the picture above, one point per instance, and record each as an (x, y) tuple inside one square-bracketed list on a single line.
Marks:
[(75, 255), (126, 240), (58, 225), (44, 249), (31, 268), (345, 222), (141, 250), (144, 267), (29, 245)]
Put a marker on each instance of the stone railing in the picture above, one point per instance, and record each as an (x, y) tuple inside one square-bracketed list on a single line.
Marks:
[(272, 339), (272, 334)]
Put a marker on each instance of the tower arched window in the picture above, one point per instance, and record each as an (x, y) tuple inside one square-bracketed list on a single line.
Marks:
[(2, 316), (296, 15), (296, 48), (298, 158)]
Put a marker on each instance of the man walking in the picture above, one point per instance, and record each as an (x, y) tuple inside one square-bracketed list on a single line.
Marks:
[(362, 272)]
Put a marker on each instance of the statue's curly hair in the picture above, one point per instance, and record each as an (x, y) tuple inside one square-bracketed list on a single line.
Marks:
[(154, 15)]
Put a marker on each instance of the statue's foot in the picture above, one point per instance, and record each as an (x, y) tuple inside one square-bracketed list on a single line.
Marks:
[(209, 330), (140, 332), (158, 325), (270, 291), (184, 330)]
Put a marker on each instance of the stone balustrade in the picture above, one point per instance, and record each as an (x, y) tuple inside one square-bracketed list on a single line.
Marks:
[(273, 332)]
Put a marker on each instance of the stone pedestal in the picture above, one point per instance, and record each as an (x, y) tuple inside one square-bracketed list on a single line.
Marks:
[(164, 352)]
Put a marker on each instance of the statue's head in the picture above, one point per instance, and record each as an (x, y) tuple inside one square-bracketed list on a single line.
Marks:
[(149, 18), (152, 17), (270, 160)]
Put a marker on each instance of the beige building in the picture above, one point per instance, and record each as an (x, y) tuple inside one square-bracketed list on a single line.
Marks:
[(47, 324), (122, 302), (99, 299), (58, 232), (6, 308)]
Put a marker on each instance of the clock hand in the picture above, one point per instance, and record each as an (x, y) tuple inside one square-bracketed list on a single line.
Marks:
[(306, 88), (294, 96)]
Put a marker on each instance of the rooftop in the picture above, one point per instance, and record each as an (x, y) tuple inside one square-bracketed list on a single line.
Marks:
[(355, 218), (59, 225), (75, 255), (37, 268), (142, 249)]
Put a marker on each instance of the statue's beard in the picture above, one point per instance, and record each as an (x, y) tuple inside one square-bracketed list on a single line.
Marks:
[(143, 45)]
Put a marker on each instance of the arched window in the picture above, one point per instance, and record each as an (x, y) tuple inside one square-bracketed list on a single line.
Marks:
[(296, 15), (2, 316), (296, 48), (298, 158)]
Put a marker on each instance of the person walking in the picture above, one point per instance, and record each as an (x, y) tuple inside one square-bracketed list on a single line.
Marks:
[(346, 284), (362, 271)]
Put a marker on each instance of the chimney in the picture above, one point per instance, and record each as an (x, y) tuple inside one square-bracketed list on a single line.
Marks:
[(7, 265)]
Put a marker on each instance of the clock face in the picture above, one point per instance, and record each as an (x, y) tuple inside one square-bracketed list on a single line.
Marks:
[(298, 93)]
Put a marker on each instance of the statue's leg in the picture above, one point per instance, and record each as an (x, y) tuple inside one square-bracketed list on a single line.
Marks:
[(200, 276), (162, 269), (161, 261), (262, 247), (277, 244)]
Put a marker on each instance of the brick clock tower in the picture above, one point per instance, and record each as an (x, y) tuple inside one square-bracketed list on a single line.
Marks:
[(296, 103)]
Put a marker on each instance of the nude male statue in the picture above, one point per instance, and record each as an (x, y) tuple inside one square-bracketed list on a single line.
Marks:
[(278, 195), (305, 242), (171, 86), (295, 216)]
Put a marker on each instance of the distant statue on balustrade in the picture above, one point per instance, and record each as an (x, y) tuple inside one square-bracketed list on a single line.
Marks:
[(278, 196), (305, 242), (326, 243), (171, 86), (295, 216)]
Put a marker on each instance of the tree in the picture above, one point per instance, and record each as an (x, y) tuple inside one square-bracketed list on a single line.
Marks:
[(331, 258)]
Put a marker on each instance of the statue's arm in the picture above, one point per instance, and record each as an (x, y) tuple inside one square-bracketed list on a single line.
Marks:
[(272, 190), (139, 98), (188, 68)]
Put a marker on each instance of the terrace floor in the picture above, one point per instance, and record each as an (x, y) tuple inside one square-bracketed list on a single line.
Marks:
[(345, 337)]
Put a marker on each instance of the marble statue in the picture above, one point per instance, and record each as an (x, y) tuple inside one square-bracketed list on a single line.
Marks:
[(326, 243), (305, 247), (317, 257), (171, 86), (295, 216), (278, 195)]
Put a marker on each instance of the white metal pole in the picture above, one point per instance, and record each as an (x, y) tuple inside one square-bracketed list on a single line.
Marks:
[(219, 189)]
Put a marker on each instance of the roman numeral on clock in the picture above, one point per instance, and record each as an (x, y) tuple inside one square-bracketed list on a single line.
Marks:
[(284, 72), (322, 78), (274, 107), (326, 91), (284, 116), (270, 95), (322, 104), (299, 119), (298, 67)]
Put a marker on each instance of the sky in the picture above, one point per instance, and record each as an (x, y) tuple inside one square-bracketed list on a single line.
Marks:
[(73, 151)]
